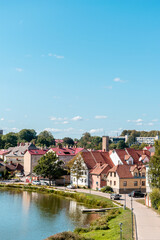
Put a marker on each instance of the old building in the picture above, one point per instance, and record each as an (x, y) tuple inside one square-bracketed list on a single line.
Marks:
[(31, 158), (16, 154), (126, 178)]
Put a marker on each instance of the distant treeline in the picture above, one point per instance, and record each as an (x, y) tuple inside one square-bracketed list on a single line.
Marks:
[(135, 133), (46, 139)]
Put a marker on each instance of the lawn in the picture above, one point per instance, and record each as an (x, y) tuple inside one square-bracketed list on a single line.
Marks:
[(113, 233)]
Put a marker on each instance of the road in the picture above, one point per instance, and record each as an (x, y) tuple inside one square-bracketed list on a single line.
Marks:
[(148, 221)]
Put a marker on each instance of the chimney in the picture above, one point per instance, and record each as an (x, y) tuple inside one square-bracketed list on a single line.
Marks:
[(105, 143)]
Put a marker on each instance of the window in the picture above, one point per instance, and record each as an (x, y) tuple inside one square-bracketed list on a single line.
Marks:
[(115, 174), (135, 174), (135, 183), (114, 183), (143, 183), (143, 174), (124, 183), (82, 179), (110, 174), (85, 180), (110, 183)]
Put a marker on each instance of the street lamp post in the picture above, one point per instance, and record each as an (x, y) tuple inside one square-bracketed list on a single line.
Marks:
[(132, 214), (120, 225)]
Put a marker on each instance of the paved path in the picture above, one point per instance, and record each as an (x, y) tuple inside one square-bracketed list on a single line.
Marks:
[(148, 221)]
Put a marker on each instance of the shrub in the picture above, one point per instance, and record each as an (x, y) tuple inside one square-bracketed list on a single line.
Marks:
[(155, 198), (107, 189), (67, 236)]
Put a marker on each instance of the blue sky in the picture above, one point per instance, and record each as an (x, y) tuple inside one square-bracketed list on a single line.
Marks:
[(75, 66)]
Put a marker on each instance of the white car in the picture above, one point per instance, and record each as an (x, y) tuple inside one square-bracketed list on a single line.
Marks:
[(36, 183), (19, 174), (71, 186)]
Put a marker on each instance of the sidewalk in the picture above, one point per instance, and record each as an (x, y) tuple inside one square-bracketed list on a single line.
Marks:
[(148, 221)]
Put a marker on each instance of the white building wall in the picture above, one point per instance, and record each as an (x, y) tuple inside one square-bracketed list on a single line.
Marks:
[(115, 158)]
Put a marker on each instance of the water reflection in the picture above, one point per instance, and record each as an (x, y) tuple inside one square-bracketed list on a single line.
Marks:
[(36, 216)]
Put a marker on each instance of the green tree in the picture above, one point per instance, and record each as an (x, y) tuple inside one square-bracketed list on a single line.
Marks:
[(2, 143), (121, 145), (26, 135), (10, 140), (49, 166), (112, 146), (45, 138), (76, 166), (68, 141), (154, 167), (135, 146)]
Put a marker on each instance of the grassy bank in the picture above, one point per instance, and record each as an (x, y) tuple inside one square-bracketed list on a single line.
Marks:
[(113, 231)]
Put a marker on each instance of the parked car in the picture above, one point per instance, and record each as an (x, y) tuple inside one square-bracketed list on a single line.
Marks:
[(45, 183), (71, 186), (19, 174), (36, 183), (115, 196), (136, 194)]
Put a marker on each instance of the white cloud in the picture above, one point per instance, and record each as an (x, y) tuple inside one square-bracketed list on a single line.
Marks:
[(155, 120), (117, 79), (2, 119), (58, 56), (53, 118), (77, 118), (151, 124), (65, 122), (50, 54), (98, 130), (19, 69), (100, 117), (139, 120), (53, 130)]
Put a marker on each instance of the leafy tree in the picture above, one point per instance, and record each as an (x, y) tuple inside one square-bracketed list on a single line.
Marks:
[(154, 167), (49, 166), (76, 166), (112, 146), (142, 146), (121, 145), (135, 146), (26, 135), (68, 141), (2, 143), (10, 140), (45, 138), (131, 140)]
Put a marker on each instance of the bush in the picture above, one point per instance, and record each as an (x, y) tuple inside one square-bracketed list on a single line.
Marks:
[(67, 236), (107, 189), (155, 198)]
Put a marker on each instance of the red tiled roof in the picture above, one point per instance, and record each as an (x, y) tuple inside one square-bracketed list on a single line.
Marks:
[(37, 152), (66, 151), (3, 152), (123, 171), (100, 168), (14, 166), (121, 153), (91, 158)]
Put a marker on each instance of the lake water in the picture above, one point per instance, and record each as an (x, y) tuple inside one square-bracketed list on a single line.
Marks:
[(34, 216)]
